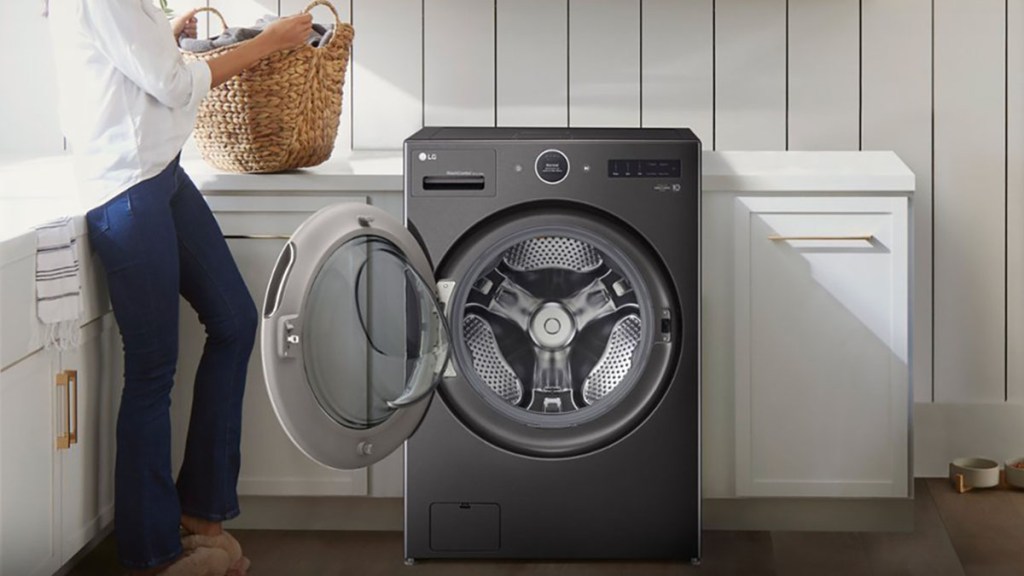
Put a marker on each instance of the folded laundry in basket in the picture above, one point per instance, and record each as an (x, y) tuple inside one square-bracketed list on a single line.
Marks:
[(234, 34)]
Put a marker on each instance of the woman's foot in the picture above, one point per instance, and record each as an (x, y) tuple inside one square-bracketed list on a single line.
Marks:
[(196, 562), (223, 541)]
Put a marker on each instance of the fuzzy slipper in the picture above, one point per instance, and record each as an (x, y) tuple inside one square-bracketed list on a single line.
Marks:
[(199, 562), (238, 565), (239, 568)]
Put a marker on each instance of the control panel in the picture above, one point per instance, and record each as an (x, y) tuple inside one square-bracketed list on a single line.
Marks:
[(632, 168)]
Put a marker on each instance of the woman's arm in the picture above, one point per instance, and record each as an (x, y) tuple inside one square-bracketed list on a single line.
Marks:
[(141, 46), (138, 42), (289, 32)]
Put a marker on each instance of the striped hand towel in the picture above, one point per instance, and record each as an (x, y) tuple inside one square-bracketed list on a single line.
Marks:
[(58, 288)]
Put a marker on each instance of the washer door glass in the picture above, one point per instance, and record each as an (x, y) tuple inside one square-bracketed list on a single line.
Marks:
[(353, 339)]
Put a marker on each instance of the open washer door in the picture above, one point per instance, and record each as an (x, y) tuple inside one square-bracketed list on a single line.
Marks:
[(353, 339)]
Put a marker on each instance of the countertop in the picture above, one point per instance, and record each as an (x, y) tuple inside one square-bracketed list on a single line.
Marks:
[(35, 190)]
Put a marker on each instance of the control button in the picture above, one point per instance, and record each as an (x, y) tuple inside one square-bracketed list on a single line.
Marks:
[(552, 166)]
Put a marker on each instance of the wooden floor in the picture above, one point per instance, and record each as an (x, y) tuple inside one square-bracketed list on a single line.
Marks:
[(976, 534)]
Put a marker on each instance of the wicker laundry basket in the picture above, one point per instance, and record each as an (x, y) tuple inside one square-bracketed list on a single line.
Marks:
[(280, 114)]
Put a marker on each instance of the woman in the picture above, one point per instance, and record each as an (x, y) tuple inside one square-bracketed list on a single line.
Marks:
[(128, 103)]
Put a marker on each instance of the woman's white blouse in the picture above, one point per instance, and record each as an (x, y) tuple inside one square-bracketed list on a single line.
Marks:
[(127, 99)]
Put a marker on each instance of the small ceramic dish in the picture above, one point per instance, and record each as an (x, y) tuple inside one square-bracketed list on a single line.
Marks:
[(977, 472), (1015, 472)]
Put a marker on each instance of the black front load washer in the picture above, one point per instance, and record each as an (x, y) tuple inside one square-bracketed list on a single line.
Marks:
[(548, 286)]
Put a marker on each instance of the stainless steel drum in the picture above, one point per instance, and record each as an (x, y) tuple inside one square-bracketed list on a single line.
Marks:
[(569, 318)]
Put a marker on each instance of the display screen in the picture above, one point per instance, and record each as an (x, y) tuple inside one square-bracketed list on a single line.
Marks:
[(644, 168)]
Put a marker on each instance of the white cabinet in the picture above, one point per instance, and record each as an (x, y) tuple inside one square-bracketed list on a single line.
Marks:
[(29, 468), (821, 346), (819, 312), (56, 492), (257, 227), (87, 468)]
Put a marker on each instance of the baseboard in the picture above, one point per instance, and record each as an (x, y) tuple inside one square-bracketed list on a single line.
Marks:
[(944, 432), (318, 513), (85, 550), (809, 514)]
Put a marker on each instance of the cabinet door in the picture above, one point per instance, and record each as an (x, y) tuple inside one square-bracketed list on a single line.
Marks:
[(87, 467), (821, 347), (29, 468)]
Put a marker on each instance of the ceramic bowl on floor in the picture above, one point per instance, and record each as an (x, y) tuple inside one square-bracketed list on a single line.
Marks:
[(1015, 475), (977, 472)]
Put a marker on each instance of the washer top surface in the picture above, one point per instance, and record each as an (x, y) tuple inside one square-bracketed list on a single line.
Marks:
[(435, 133)]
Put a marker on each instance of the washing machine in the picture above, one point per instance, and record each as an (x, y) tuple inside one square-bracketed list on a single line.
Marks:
[(529, 334)]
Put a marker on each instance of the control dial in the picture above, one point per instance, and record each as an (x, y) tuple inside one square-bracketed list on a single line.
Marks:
[(552, 166)]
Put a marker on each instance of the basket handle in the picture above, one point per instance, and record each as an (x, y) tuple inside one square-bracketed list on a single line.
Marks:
[(223, 22), (329, 6)]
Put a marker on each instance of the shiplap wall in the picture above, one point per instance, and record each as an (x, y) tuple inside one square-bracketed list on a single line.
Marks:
[(939, 81)]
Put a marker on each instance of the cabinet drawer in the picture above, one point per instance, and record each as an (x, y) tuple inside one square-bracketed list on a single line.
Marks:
[(821, 355)]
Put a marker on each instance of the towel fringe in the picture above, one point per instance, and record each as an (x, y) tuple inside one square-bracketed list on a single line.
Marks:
[(63, 335)]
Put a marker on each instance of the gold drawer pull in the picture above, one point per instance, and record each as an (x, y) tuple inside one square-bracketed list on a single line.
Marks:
[(73, 406), (862, 238), (63, 412), (67, 403)]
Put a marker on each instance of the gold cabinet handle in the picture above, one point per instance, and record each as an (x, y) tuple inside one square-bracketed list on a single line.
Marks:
[(863, 238), (63, 412), (73, 406)]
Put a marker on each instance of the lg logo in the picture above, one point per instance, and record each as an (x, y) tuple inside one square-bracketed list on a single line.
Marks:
[(424, 156)]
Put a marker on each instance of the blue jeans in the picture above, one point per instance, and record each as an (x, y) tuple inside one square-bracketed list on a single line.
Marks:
[(156, 240)]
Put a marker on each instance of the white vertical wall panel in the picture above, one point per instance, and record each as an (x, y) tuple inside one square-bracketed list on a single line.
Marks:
[(897, 115), (458, 62), (970, 200), (533, 62), (678, 65), (1015, 201), (28, 99), (323, 16), (604, 63), (824, 74), (242, 12), (750, 74), (387, 73)]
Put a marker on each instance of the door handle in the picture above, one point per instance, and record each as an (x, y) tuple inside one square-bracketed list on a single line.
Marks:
[(278, 279), (72, 406), (860, 237), (63, 411)]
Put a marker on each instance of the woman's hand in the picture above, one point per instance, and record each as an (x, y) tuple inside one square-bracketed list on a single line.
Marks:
[(184, 25), (288, 32)]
